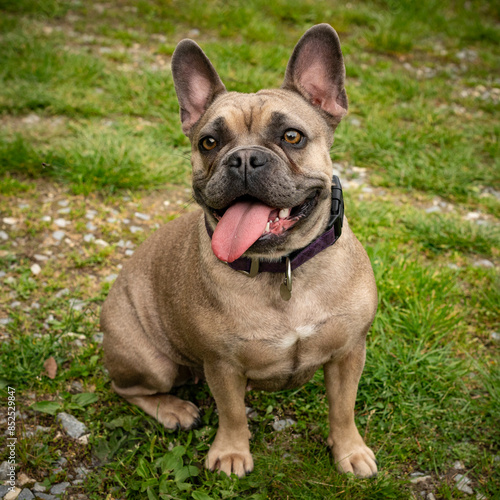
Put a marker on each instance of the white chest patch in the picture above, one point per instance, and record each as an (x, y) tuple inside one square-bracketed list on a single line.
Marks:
[(300, 333)]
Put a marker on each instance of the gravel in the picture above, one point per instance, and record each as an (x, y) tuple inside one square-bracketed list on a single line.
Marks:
[(279, 425), (73, 427)]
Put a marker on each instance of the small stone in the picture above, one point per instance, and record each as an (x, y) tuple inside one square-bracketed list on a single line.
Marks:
[(495, 336), (91, 214), (10, 221), (82, 471), (129, 252), (110, 278), (90, 226), (166, 203), (472, 216), (77, 304), (36, 269), (355, 122), (194, 32), (142, 216), (26, 495), (64, 211), (431, 210), (23, 479), (45, 496), (453, 266), (61, 293), (430, 496), (60, 488), (458, 465), (12, 494), (98, 337), (58, 235), (4, 236), (61, 223), (46, 218), (101, 243), (40, 258), (84, 439), (480, 496), (73, 427), (420, 479), (279, 425), (63, 203), (15, 303), (3, 490), (88, 238), (483, 263), (463, 484), (111, 220), (39, 487), (4, 470), (136, 229), (417, 474)]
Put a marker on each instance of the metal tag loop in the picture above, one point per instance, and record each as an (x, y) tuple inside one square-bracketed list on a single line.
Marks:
[(286, 286)]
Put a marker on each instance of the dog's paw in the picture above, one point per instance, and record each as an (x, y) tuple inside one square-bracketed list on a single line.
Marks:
[(229, 461), (172, 412), (176, 413), (355, 458)]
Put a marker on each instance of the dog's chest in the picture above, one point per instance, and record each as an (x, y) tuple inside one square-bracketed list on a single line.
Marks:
[(285, 347)]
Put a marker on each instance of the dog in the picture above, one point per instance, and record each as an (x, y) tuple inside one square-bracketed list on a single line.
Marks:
[(266, 283)]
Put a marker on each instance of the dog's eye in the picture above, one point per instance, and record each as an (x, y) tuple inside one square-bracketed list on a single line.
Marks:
[(208, 143), (293, 137)]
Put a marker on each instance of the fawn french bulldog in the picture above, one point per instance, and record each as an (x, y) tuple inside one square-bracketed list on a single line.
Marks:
[(306, 296)]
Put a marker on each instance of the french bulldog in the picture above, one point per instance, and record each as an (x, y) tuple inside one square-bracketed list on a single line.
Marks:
[(305, 297)]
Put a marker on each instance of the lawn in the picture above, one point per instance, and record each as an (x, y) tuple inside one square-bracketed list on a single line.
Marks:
[(93, 160)]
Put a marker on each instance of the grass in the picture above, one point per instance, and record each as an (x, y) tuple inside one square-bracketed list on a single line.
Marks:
[(90, 133)]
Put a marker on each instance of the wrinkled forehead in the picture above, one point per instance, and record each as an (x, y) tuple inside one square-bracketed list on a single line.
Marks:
[(265, 111)]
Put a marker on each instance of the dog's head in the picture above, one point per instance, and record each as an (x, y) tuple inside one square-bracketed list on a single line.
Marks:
[(261, 165)]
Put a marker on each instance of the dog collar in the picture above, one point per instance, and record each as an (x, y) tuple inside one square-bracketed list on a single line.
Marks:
[(287, 264)]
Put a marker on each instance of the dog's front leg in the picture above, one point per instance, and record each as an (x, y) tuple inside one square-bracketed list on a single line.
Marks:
[(230, 451), (349, 450)]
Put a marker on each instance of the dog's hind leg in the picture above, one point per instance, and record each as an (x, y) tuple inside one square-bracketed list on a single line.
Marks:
[(142, 373)]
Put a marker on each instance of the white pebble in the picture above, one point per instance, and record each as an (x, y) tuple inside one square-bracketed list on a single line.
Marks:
[(40, 258), (46, 218), (4, 236), (36, 269), (61, 222), (136, 229), (58, 235), (88, 238), (11, 221), (101, 243), (142, 216)]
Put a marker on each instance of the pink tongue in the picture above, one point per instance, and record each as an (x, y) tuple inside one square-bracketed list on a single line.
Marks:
[(240, 227)]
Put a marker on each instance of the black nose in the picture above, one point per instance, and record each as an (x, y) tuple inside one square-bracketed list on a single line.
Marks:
[(245, 161)]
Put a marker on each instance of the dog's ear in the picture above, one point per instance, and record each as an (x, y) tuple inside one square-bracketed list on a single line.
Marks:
[(316, 71), (196, 82)]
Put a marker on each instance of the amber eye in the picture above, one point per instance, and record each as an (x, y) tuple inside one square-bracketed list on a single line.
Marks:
[(208, 143), (293, 136)]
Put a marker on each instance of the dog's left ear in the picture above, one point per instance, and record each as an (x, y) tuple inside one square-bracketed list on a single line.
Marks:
[(197, 84), (316, 71)]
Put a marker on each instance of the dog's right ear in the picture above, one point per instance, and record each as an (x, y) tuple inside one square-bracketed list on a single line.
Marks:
[(196, 82)]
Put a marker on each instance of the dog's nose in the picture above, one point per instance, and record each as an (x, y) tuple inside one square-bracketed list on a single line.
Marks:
[(247, 160)]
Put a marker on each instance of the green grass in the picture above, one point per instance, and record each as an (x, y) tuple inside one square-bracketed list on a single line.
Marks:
[(88, 116)]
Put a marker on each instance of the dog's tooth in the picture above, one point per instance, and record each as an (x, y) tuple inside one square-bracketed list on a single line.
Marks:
[(284, 213), (267, 227), (277, 219)]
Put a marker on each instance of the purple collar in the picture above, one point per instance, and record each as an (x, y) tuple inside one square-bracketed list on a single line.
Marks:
[(297, 258)]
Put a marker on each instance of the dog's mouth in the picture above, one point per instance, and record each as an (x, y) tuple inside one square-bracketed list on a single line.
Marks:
[(248, 220)]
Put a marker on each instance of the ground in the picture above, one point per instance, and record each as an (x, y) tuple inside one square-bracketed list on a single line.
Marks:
[(93, 160)]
